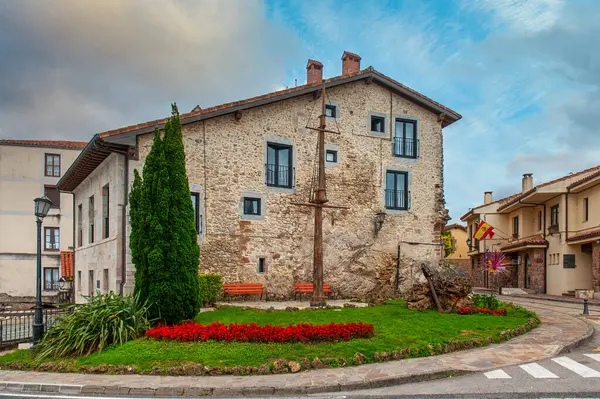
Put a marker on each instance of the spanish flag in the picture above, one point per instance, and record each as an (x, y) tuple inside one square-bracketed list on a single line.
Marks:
[(483, 231)]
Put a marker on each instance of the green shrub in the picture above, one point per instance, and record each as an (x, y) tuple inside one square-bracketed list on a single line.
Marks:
[(486, 301), (92, 327), (210, 288)]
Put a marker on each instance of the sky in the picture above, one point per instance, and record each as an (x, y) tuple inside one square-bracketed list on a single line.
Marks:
[(525, 75)]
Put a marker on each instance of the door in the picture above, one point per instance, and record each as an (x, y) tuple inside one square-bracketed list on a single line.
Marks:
[(527, 272)]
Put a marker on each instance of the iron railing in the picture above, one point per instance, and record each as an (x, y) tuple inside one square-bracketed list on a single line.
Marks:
[(397, 199), (279, 175), (16, 327), (406, 147)]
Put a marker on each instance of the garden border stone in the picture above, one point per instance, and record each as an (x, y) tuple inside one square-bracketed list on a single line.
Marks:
[(559, 332)]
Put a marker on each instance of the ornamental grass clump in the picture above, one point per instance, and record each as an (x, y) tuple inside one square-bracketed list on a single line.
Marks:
[(105, 320)]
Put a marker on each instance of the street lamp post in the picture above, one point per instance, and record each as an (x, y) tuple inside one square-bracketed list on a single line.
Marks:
[(42, 206)]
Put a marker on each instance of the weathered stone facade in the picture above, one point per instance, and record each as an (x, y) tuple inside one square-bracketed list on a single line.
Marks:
[(226, 158), (596, 265)]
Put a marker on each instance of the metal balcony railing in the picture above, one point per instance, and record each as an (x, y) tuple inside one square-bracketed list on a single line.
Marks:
[(279, 175), (406, 147), (397, 199)]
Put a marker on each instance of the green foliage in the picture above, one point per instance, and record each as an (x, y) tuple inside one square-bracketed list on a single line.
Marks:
[(486, 301), (448, 242), (396, 327), (210, 288), (105, 320), (164, 242)]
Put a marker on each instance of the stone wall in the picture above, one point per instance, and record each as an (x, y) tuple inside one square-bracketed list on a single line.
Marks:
[(226, 158), (596, 266)]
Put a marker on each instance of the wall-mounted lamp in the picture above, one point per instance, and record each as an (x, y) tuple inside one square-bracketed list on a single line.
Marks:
[(379, 220), (469, 242)]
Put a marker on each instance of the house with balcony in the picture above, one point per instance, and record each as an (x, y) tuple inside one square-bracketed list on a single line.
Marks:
[(550, 232), (249, 162), (30, 169)]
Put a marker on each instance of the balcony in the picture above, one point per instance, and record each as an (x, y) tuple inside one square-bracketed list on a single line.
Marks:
[(279, 175), (397, 199), (406, 147)]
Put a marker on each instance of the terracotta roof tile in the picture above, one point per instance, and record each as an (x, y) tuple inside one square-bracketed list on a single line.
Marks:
[(533, 240), (584, 235), (455, 226), (585, 179), (522, 195), (275, 94), (66, 264), (46, 143), (500, 200)]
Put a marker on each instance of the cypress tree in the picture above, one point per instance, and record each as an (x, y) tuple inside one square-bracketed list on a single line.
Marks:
[(163, 238)]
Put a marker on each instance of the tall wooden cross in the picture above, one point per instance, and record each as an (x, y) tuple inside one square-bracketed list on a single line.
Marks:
[(319, 202)]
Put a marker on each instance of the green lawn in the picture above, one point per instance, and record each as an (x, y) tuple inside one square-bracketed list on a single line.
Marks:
[(396, 328)]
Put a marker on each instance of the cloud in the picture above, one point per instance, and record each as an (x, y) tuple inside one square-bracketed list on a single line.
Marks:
[(73, 68)]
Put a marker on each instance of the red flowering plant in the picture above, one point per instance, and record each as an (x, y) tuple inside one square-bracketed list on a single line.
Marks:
[(493, 262), (191, 332)]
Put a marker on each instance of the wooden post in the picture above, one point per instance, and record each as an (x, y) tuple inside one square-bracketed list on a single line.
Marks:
[(318, 298)]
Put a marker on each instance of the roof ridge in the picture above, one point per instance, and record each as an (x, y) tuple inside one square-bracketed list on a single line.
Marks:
[(276, 93), (45, 143)]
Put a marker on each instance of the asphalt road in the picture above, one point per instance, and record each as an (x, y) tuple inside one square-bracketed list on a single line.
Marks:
[(571, 375)]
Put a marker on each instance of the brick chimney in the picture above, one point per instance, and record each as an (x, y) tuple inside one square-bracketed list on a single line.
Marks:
[(314, 72), (350, 62), (527, 182), (487, 198)]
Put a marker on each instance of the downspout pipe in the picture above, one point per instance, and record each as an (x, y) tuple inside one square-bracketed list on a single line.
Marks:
[(124, 226)]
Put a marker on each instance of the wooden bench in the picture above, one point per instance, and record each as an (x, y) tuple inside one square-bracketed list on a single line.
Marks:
[(302, 288), (244, 289)]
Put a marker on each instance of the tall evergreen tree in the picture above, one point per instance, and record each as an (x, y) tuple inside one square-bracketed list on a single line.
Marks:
[(165, 243)]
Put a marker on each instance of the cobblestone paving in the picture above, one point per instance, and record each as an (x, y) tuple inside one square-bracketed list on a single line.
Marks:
[(558, 332)]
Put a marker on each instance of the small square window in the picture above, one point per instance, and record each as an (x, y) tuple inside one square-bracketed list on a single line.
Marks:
[(261, 265), (251, 206), (330, 111), (331, 156), (378, 124)]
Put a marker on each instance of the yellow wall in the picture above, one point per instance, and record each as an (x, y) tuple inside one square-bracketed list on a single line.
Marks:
[(459, 240)]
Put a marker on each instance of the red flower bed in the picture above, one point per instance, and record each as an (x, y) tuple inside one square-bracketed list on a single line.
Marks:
[(191, 331), (499, 312)]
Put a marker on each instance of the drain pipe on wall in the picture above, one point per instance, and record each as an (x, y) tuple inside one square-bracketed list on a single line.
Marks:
[(124, 226)]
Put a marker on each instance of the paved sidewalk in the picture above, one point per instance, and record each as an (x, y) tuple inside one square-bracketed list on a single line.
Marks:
[(558, 332)]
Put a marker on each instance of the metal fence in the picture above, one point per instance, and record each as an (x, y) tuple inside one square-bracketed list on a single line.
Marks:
[(16, 327)]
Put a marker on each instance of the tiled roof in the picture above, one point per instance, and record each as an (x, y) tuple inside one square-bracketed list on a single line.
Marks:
[(523, 195), (584, 235), (455, 226), (274, 95), (75, 145), (66, 264), (533, 240), (500, 200), (585, 179)]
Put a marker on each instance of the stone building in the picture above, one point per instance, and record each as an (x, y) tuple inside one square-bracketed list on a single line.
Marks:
[(250, 160), (30, 169), (550, 231)]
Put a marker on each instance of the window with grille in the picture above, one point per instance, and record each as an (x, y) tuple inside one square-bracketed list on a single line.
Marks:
[(406, 142), (80, 225)]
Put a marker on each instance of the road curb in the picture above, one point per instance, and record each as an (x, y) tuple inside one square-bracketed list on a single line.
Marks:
[(318, 383)]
